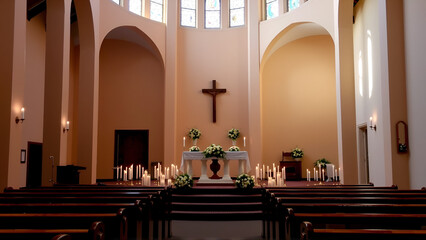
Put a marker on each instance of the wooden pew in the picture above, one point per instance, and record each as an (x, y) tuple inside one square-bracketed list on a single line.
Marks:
[(308, 232), (96, 231), (103, 200)]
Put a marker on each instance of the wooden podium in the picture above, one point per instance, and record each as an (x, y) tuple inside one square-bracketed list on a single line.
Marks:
[(293, 170)]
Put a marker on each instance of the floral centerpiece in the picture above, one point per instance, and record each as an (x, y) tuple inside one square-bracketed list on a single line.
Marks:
[(194, 134), (233, 133), (194, 149), (244, 181), (234, 149), (214, 151), (297, 153), (183, 181), (321, 162)]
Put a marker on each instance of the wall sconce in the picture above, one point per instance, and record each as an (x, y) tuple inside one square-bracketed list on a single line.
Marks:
[(22, 118), (67, 127), (372, 127)]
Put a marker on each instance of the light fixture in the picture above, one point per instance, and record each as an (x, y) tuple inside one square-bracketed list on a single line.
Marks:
[(22, 118), (372, 127), (67, 127)]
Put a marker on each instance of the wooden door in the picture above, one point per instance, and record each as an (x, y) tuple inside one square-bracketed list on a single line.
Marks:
[(34, 164)]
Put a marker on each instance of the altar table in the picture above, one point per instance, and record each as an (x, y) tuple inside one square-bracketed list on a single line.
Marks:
[(241, 156)]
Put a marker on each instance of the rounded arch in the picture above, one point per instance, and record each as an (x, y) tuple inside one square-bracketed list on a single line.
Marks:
[(134, 35), (291, 33), (298, 95)]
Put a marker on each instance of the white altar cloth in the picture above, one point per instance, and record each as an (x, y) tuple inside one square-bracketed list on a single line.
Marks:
[(241, 156)]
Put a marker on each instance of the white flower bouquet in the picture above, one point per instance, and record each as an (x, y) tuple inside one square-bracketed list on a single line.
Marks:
[(214, 151), (194, 149), (233, 133), (234, 149), (183, 181), (244, 181), (297, 153), (194, 133)]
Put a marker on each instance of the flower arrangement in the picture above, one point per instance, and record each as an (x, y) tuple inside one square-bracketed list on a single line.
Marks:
[(194, 133), (194, 149), (234, 149), (233, 133), (321, 162), (244, 181), (297, 153), (183, 181), (215, 151)]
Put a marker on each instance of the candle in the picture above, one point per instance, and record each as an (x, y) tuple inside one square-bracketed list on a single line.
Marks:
[(320, 171), (263, 171), (307, 175), (23, 113), (257, 172), (244, 141), (183, 141), (323, 177), (335, 174), (284, 174), (67, 125)]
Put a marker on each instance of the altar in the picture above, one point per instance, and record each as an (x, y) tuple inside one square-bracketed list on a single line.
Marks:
[(241, 156)]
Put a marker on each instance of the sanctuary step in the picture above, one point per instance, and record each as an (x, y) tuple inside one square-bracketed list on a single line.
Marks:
[(216, 204)]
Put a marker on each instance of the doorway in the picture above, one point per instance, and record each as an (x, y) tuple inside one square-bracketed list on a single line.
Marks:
[(363, 166), (34, 164), (131, 147)]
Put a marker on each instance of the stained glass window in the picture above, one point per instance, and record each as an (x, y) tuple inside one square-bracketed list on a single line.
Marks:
[(135, 6), (271, 9), (156, 10), (188, 13), (292, 4), (236, 13), (116, 1), (212, 13)]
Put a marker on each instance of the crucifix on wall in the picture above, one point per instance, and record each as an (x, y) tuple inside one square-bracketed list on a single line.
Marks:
[(214, 91)]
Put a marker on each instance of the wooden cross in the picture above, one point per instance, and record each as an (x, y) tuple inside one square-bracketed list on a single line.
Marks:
[(214, 91)]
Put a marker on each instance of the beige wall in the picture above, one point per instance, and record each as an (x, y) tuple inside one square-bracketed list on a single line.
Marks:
[(415, 39), (131, 96), (203, 56), (299, 101)]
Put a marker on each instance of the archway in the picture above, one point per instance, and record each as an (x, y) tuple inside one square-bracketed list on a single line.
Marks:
[(298, 95), (131, 94)]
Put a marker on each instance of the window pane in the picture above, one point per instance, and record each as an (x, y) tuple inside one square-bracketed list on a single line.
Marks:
[(272, 10), (212, 19), (187, 17), (212, 5), (135, 6), (236, 4), (237, 17), (292, 4), (188, 4), (156, 12), (116, 1)]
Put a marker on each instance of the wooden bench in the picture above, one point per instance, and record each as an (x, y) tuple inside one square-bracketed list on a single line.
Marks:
[(308, 232), (142, 212)]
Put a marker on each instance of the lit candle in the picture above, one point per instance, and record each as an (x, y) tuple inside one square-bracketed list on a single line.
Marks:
[(183, 141), (307, 175), (244, 141), (284, 177), (323, 177), (23, 113), (257, 172), (67, 125)]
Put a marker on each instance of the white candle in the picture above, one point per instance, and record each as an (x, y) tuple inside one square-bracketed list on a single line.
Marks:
[(67, 125), (23, 113), (244, 141), (323, 177), (320, 171), (257, 172), (263, 171), (335, 174), (183, 141), (284, 177), (155, 172), (307, 175)]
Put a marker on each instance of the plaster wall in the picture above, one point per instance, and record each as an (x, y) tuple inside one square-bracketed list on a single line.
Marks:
[(415, 52), (299, 102)]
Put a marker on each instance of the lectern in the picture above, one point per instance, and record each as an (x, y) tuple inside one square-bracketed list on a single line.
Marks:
[(68, 174)]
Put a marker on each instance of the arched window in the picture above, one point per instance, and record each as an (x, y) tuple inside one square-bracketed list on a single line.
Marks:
[(135, 6), (236, 13), (292, 4), (271, 9), (212, 13), (188, 13), (156, 10)]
